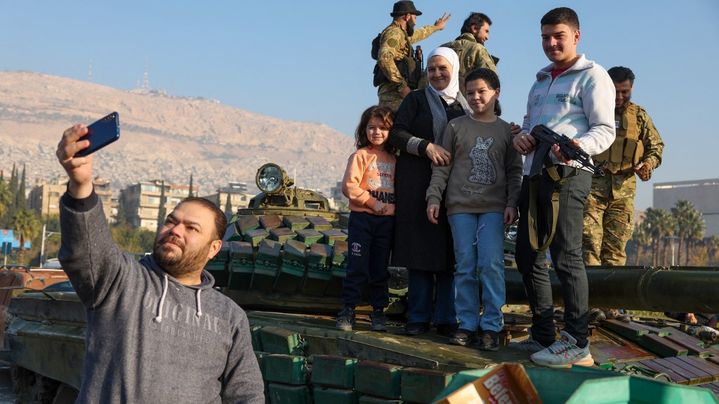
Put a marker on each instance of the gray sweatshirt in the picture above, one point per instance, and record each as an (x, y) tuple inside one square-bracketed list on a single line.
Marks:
[(485, 174), (151, 339)]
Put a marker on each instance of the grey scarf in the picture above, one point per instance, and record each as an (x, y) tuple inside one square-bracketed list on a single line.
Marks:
[(439, 114)]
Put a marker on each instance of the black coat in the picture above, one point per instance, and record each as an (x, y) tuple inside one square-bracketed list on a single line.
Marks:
[(418, 244)]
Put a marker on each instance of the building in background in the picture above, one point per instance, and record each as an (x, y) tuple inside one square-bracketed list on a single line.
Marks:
[(140, 202), (238, 193), (44, 197), (703, 194)]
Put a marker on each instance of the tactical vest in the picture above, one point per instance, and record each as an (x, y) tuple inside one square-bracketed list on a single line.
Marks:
[(407, 66), (627, 150)]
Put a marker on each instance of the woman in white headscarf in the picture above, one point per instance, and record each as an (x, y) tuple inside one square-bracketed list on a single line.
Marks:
[(425, 249)]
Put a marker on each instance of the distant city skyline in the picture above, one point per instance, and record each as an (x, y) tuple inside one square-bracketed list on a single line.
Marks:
[(309, 60)]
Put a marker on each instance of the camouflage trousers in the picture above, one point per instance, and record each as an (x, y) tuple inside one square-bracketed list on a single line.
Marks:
[(608, 219), (389, 96)]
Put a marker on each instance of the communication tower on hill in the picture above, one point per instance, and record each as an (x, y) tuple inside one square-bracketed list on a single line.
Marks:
[(145, 79)]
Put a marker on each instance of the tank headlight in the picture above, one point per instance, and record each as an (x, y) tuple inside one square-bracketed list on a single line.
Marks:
[(270, 178)]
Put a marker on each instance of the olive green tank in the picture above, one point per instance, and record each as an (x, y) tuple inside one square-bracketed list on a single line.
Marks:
[(283, 261), (287, 251)]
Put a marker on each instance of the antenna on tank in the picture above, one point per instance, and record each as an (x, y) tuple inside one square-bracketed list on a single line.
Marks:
[(89, 71)]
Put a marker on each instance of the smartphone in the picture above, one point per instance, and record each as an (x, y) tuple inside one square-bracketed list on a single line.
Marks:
[(101, 133)]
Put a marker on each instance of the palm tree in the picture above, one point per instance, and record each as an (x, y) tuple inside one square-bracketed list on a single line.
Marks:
[(666, 228), (682, 213), (661, 225), (27, 226), (642, 238), (712, 244), (650, 221), (695, 231)]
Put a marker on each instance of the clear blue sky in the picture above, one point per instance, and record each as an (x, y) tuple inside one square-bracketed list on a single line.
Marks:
[(309, 60)]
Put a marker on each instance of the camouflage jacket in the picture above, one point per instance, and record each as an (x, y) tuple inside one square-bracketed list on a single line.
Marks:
[(395, 45), (649, 136), (472, 55)]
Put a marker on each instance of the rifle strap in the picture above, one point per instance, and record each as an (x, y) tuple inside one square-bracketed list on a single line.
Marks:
[(550, 216)]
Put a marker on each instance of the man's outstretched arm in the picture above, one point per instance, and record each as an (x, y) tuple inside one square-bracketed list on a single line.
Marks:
[(87, 253)]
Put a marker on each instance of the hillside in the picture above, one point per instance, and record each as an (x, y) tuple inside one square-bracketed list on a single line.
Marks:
[(161, 136)]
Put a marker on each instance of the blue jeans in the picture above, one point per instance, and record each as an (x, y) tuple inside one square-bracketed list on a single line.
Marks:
[(430, 297), (479, 251)]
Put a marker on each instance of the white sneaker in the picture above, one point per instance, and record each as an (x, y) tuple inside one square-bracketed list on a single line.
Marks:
[(563, 354), (528, 345)]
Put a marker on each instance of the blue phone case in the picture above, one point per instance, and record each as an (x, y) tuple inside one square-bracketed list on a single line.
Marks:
[(101, 133)]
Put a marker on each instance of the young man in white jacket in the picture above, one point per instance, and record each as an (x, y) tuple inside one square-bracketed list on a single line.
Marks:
[(572, 96)]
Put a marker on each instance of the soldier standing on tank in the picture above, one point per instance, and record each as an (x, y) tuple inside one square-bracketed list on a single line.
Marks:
[(397, 72), (637, 149), (469, 46)]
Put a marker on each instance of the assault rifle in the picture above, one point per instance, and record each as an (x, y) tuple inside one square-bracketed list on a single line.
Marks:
[(546, 138)]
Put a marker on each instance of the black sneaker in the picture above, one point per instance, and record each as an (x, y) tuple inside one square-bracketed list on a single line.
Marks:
[(379, 320), (346, 319), (489, 341), (462, 337)]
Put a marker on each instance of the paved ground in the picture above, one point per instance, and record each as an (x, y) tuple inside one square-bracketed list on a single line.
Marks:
[(6, 393)]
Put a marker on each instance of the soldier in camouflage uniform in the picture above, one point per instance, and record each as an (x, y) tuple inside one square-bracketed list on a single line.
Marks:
[(637, 149), (396, 47), (469, 46)]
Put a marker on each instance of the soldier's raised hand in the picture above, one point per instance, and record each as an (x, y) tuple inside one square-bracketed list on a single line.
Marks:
[(442, 21), (79, 169)]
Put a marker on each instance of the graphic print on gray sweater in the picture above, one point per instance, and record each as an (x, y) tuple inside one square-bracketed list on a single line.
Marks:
[(483, 171)]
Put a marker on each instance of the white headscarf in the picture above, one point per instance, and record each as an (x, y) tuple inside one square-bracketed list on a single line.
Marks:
[(449, 94)]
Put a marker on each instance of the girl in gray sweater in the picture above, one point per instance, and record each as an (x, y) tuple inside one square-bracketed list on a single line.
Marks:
[(481, 186)]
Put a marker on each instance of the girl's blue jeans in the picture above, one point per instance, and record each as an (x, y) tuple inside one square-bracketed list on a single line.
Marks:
[(479, 252)]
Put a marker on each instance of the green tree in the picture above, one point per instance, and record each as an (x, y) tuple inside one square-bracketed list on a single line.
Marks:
[(712, 244), (228, 207), (132, 240), (13, 180), (27, 226), (689, 227), (666, 226), (190, 194), (681, 212), (6, 198), (122, 211), (661, 226), (642, 238), (695, 232), (11, 208), (20, 200)]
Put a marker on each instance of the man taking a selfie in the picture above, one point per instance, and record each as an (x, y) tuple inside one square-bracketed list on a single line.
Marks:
[(157, 332)]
